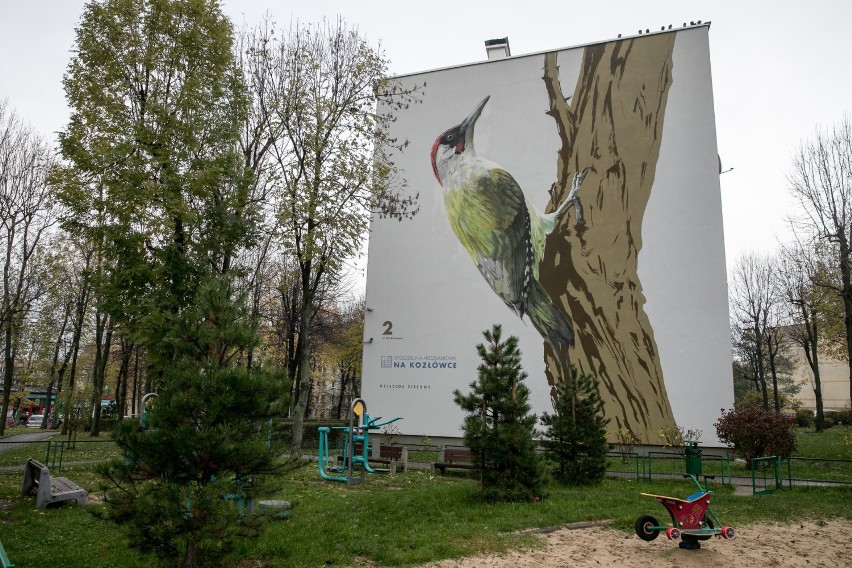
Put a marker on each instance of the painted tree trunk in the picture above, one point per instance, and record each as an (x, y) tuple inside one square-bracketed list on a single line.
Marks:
[(613, 125)]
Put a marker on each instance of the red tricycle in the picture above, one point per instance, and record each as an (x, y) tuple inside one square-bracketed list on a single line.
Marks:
[(692, 519)]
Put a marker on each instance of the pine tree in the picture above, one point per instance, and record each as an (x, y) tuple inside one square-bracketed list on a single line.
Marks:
[(576, 433), (499, 428), (211, 439)]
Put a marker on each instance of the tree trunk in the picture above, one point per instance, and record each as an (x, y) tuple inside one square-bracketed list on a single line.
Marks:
[(123, 378), (776, 396), (772, 346), (846, 275), (103, 342), (190, 558), (8, 370), (54, 367), (133, 407), (612, 125), (811, 346), (304, 372), (761, 371), (344, 379), (79, 321), (293, 348)]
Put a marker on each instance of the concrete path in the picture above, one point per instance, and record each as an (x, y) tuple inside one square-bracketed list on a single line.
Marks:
[(10, 443)]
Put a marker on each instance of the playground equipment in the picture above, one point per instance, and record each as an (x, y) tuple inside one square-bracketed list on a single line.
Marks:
[(142, 415), (692, 519), (356, 434)]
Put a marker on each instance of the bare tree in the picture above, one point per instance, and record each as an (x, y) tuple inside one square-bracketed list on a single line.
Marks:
[(82, 300), (776, 345), (754, 302), (49, 323), (821, 180), (26, 215), (315, 92), (797, 274)]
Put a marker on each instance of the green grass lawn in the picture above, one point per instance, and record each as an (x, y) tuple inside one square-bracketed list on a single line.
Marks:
[(395, 520), (815, 455), (834, 443)]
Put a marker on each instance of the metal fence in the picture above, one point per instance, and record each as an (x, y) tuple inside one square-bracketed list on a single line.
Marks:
[(765, 475), (816, 471), (665, 465), (55, 454)]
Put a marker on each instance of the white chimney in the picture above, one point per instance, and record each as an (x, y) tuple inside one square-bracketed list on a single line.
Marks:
[(497, 48)]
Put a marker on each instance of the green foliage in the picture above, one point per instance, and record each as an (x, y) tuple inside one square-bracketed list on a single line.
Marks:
[(576, 432), (754, 399), (754, 432), (498, 428), (804, 418), (675, 437), (625, 442), (212, 435), (152, 177)]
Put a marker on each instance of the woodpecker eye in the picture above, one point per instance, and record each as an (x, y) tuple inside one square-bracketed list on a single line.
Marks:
[(450, 137)]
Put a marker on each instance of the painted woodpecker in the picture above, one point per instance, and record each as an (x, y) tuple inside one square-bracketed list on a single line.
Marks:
[(500, 229)]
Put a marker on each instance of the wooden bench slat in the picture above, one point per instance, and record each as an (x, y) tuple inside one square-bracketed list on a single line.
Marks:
[(454, 458)]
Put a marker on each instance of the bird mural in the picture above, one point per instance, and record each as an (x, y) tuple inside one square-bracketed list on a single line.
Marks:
[(501, 230)]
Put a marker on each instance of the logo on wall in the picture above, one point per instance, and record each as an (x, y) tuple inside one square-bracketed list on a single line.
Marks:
[(437, 362)]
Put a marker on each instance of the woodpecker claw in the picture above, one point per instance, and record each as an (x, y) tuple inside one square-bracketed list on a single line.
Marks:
[(574, 198)]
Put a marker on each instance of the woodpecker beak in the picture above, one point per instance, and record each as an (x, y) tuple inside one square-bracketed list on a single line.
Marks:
[(456, 140), (466, 127)]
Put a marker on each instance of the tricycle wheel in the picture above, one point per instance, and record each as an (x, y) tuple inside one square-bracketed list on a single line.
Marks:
[(729, 533), (644, 528), (673, 533)]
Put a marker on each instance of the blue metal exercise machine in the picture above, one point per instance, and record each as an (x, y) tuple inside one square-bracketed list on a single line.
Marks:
[(357, 433)]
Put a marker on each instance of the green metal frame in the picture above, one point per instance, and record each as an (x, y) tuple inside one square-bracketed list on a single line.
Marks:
[(358, 432), (56, 448), (645, 469), (4, 559), (773, 462)]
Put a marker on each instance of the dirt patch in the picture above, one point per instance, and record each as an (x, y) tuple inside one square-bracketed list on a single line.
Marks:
[(797, 545)]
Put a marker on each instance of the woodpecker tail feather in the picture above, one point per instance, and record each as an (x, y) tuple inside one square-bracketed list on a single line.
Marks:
[(552, 324)]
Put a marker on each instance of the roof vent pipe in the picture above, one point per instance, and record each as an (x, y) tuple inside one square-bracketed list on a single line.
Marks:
[(497, 48)]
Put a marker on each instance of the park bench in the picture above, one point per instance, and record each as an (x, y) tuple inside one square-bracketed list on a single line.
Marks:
[(453, 458), (50, 490), (392, 457)]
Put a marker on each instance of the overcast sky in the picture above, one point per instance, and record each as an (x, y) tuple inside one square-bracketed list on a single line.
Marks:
[(780, 68)]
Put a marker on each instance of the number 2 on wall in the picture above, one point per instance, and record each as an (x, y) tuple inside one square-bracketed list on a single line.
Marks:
[(388, 328)]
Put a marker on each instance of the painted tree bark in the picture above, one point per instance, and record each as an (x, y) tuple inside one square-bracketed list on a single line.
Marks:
[(612, 125)]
